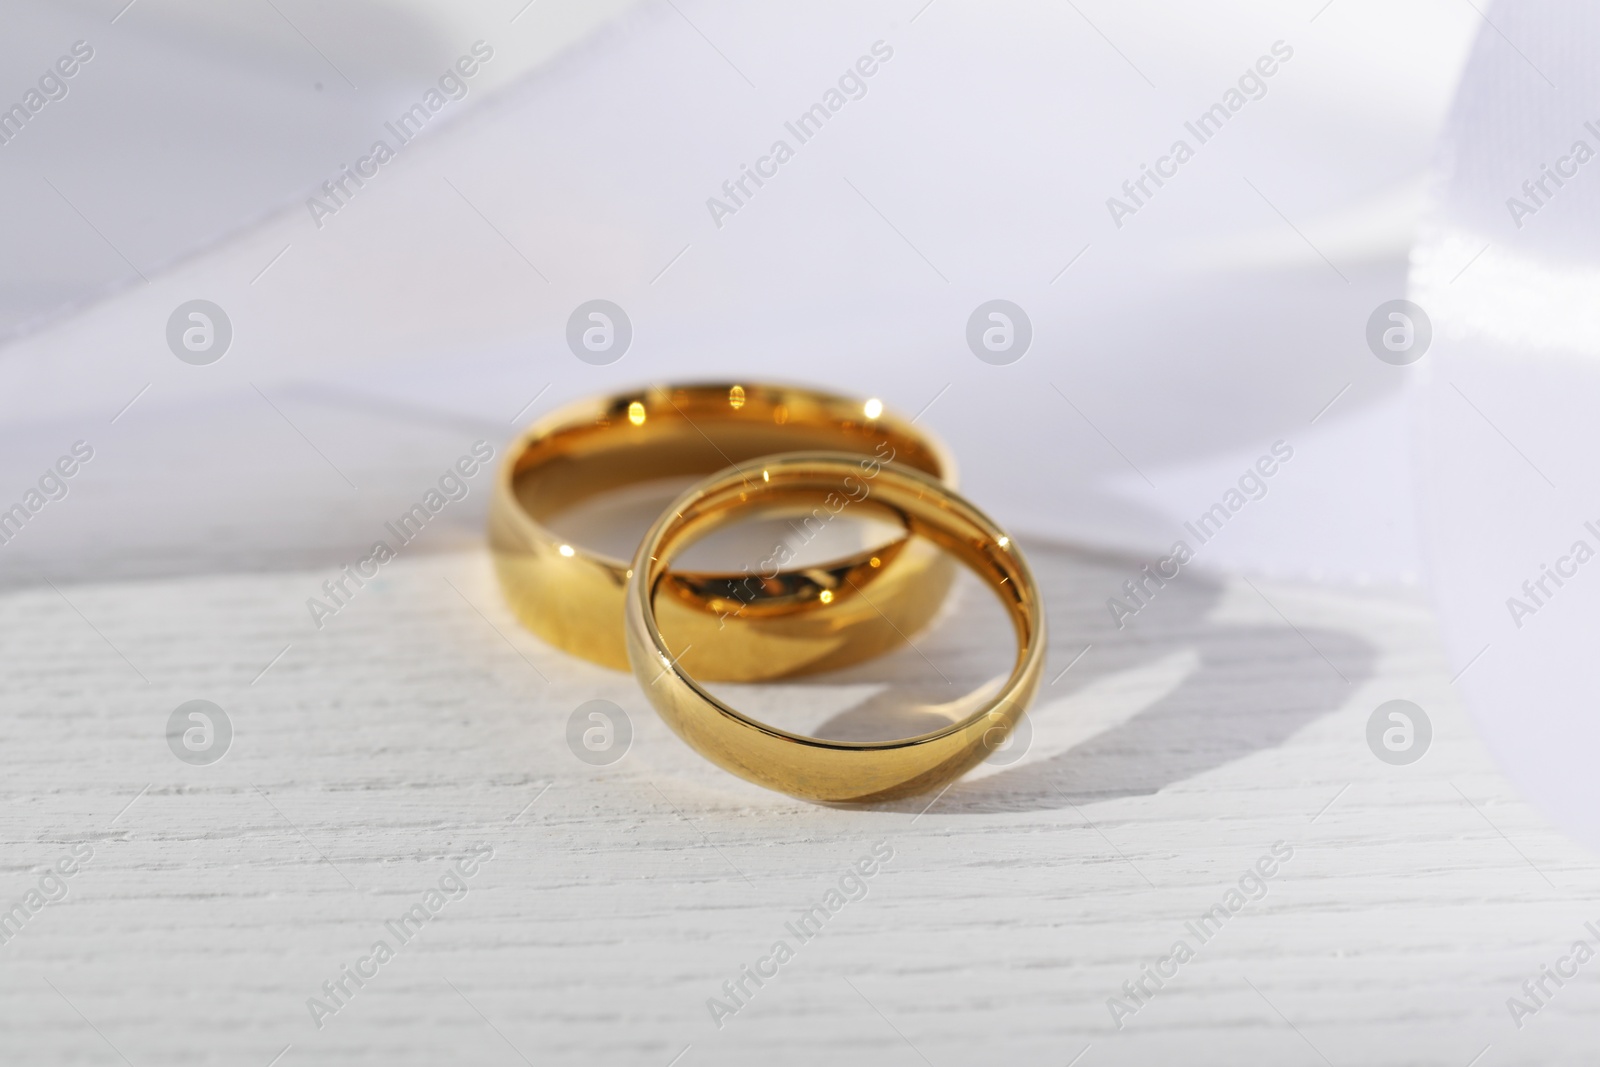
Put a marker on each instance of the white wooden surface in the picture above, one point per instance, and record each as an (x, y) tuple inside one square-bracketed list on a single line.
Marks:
[(421, 722)]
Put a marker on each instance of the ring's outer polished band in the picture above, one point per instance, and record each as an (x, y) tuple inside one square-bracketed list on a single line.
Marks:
[(785, 621), (809, 767)]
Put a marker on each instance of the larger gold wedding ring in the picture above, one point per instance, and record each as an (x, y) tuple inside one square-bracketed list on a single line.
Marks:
[(768, 622), (809, 767)]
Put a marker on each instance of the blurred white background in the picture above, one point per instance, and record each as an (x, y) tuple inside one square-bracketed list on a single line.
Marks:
[(1171, 352)]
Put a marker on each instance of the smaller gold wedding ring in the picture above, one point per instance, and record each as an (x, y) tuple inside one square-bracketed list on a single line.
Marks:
[(810, 767), (774, 619)]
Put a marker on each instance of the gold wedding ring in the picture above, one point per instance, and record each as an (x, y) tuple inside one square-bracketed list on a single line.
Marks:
[(765, 623), (809, 767)]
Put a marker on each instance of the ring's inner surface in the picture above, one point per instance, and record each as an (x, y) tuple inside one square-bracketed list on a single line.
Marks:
[(609, 470)]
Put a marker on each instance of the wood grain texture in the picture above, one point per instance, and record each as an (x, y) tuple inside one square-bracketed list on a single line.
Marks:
[(420, 722)]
